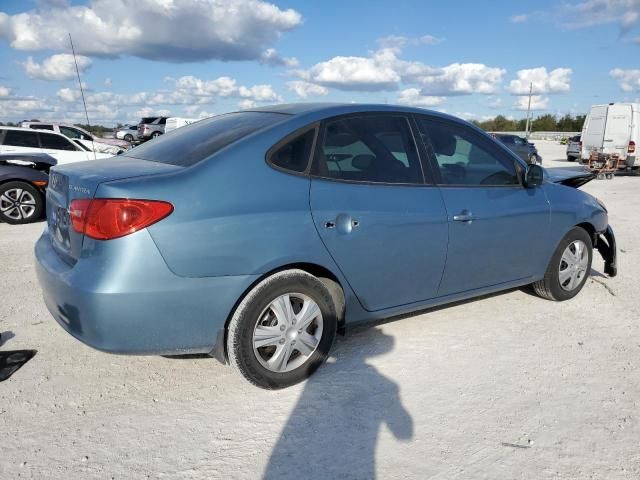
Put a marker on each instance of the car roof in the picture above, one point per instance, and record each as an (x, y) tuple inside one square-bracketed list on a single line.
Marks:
[(321, 109)]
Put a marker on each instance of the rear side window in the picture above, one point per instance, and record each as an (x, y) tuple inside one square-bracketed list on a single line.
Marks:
[(56, 142), (193, 143), (295, 153), (21, 138), (465, 157), (375, 148)]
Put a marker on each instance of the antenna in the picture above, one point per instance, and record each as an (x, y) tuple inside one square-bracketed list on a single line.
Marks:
[(84, 103)]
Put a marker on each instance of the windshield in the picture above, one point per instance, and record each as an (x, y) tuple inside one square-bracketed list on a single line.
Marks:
[(193, 143)]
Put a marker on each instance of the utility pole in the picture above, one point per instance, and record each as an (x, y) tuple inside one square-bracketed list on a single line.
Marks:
[(526, 132)]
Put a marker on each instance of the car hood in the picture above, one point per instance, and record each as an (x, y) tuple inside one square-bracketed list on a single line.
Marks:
[(569, 177)]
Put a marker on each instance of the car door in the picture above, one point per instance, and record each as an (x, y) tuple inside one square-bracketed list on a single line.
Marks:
[(384, 227), (61, 148), (497, 227), (522, 148)]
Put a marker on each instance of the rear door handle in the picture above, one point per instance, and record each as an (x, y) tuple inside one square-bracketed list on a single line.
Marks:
[(464, 216)]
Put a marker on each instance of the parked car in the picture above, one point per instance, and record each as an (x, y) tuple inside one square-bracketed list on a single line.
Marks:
[(255, 236), (28, 140), (177, 122), (128, 133), (612, 129), (526, 150), (574, 146), (151, 127), (93, 143), (23, 180)]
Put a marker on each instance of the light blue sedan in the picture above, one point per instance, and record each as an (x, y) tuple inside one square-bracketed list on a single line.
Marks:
[(255, 236)]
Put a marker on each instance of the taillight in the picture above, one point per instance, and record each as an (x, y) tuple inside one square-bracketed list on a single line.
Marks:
[(632, 147), (108, 218)]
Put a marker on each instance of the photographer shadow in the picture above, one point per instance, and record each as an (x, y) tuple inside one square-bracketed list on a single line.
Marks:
[(333, 430)]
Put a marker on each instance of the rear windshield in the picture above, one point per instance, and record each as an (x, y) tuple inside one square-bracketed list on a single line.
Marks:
[(189, 145)]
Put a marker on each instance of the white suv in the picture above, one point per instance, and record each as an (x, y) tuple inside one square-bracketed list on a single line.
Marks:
[(27, 140), (102, 145)]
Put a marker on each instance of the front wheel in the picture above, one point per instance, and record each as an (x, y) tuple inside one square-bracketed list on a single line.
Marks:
[(20, 203), (128, 138), (282, 330), (569, 267)]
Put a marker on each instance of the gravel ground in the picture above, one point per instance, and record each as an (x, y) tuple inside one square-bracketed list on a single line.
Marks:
[(509, 386)]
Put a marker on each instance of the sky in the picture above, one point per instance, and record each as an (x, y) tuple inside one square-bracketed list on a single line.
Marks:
[(196, 58)]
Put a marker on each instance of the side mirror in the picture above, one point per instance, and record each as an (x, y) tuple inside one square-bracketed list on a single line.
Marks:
[(533, 176)]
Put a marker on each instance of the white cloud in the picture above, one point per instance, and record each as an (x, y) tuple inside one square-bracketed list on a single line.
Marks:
[(68, 95), (392, 41), (4, 91), (413, 97), (629, 80), (519, 18), (246, 104), (56, 67), (429, 40), (555, 81), (108, 82), (259, 93), (538, 102), (271, 57), (169, 30), (463, 79), (305, 89), (356, 73), (383, 70), (597, 12)]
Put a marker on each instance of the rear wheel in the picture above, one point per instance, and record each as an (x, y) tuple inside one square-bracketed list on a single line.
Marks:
[(569, 267), (570, 159), (282, 330), (20, 203)]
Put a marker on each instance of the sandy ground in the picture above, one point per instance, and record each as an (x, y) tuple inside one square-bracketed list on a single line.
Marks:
[(509, 386)]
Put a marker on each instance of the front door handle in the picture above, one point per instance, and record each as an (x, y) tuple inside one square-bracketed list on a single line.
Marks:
[(464, 216)]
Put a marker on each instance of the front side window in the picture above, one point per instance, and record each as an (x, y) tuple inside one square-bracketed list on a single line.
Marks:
[(21, 138), (374, 148), (56, 142), (294, 154), (465, 157)]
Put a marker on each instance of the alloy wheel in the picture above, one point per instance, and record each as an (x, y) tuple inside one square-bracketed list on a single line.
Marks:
[(17, 204)]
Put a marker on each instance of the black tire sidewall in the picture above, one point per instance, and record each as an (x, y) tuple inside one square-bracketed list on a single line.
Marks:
[(39, 205), (553, 274), (128, 138), (245, 318)]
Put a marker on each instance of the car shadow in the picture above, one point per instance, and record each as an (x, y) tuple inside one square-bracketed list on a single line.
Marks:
[(333, 430)]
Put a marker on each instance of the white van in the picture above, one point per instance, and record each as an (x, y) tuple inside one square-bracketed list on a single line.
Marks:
[(612, 129), (177, 122), (27, 140)]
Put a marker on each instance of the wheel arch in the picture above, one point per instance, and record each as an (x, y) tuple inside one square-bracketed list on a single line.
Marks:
[(329, 278)]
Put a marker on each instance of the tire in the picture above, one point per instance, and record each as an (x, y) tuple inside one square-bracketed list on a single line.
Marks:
[(128, 138), (20, 203), (260, 364), (556, 286), (155, 134), (570, 159)]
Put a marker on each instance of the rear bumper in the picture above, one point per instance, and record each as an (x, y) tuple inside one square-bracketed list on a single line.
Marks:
[(122, 298), (606, 245)]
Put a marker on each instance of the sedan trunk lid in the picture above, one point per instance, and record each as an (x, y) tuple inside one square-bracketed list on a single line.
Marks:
[(81, 180)]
